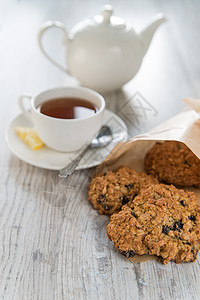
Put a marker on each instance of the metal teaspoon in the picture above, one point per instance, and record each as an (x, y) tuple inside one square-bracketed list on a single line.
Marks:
[(103, 138)]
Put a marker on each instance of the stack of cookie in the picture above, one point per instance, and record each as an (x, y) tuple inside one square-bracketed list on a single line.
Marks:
[(148, 217)]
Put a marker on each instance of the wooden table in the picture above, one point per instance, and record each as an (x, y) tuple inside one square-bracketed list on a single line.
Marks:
[(61, 251)]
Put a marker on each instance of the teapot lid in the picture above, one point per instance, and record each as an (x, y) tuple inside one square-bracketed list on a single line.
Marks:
[(106, 18), (101, 23)]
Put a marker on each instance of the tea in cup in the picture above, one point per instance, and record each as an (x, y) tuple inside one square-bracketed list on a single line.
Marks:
[(65, 118)]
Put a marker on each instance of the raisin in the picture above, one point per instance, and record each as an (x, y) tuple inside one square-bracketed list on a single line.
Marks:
[(125, 200), (193, 250), (192, 218), (187, 163), (133, 214), (187, 243), (101, 198), (128, 254), (166, 229), (129, 186), (183, 202), (106, 207), (178, 226)]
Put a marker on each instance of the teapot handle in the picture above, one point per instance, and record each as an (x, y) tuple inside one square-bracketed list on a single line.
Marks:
[(44, 27)]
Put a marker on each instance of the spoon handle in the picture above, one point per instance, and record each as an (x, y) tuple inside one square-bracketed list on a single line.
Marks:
[(70, 168)]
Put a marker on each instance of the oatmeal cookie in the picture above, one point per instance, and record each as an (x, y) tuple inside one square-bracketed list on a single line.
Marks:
[(162, 220), (173, 163), (110, 190)]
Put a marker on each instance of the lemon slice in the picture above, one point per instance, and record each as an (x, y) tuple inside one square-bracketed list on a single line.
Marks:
[(29, 136)]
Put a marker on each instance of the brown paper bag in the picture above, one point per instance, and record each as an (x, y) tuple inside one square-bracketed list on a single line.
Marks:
[(184, 127)]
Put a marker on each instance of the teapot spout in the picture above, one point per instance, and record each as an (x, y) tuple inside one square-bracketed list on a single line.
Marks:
[(146, 34)]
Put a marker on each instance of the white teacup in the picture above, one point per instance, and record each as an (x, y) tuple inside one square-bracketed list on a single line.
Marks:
[(64, 134)]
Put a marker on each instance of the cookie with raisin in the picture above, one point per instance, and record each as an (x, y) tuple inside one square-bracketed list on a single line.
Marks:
[(109, 191), (173, 163), (162, 220)]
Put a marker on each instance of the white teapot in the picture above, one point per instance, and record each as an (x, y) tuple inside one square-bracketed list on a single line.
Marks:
[(104, 52)]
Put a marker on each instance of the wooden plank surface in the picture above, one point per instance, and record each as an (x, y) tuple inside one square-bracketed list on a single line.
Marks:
[(59, 249)]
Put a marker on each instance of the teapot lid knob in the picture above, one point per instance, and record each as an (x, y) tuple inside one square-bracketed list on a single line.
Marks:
[(106, 12)]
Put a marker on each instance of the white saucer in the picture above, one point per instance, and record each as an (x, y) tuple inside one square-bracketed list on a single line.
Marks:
[(48, 158)]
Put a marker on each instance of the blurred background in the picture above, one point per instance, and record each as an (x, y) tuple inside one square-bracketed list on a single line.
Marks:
[(170, 70)]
